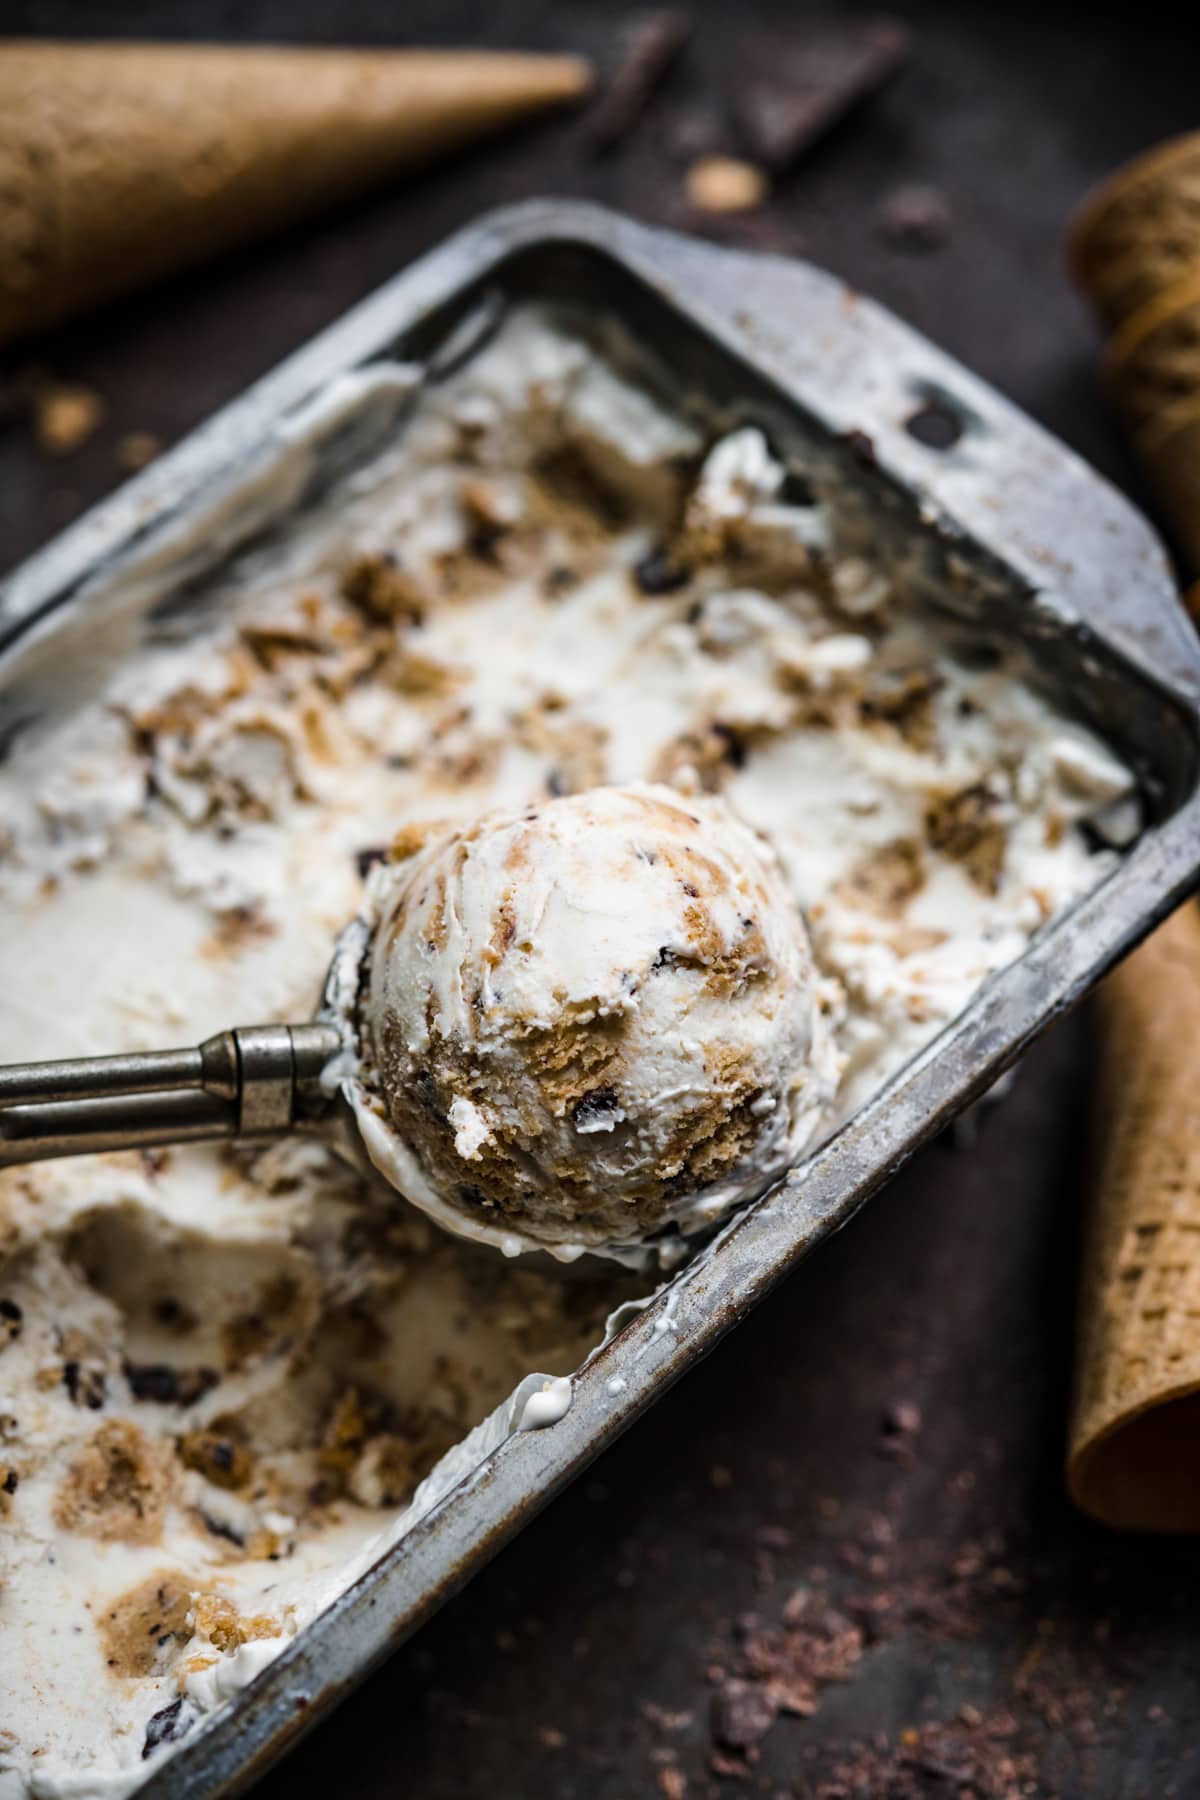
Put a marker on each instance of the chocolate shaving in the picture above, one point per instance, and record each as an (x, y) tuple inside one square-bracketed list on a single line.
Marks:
[(652, 43), (220, 1528), (658, 573), (741, 1713), (794, 87), (915, 218), (168, 1386), (86, 1386), (167, 1726), (598, 1104), (365, 860)]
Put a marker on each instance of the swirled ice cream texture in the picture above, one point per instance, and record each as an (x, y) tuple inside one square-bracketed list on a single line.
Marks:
[(591, 1019)]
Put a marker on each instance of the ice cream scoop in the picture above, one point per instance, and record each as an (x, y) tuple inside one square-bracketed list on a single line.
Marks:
[(575, 1026), (588, 1021)]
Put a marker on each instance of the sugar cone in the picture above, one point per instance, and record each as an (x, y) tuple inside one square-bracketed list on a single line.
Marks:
[(1134, 1458), (121, 163), (1139, 232)]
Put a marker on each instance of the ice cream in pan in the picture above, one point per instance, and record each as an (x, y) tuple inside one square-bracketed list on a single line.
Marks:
[(586, 647), (569, 1026)]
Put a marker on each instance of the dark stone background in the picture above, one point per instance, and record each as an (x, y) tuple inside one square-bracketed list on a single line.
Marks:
[(887, 1432)]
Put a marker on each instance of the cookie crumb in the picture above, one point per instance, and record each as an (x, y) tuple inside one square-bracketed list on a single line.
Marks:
[(725, 184), (65, 415), (136, 449), (915, 218)]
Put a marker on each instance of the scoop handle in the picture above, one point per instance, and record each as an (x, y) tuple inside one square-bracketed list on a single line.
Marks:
[(256, 1081)]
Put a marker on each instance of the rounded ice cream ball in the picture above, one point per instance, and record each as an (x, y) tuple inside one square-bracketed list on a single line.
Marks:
[(589, 1020)]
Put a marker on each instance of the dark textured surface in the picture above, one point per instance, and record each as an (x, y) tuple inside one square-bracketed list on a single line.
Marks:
[(887, 1432)]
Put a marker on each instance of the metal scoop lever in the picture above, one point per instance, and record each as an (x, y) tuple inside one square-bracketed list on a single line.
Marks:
[(258, 1081)]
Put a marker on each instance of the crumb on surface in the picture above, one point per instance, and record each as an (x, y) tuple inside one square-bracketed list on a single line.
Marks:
[(136, 449), (65, 415), (726, 184)]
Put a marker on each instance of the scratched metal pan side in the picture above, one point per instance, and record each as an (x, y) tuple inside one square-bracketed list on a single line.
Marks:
[(1032, 530)]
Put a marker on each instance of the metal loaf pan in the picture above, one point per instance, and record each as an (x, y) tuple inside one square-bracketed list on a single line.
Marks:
[(1003, 523)]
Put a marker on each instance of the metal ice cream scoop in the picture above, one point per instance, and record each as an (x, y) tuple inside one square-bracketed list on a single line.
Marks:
[(259, 1081), (256, 1081)]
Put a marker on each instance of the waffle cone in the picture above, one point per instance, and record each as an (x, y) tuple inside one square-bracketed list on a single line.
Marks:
[(1139, 232), (1134, 1454), (1171, 454), (1153, 365), (1153, 361), (122, 163)]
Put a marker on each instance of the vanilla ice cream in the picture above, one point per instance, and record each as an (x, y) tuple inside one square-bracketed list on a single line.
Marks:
[(590, 1019), (231, 1376)]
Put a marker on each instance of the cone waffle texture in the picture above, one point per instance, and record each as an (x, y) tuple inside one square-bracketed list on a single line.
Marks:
[(1140, 231), (1134, 1455), (1153, 365), (1135, 250), (1153, 361), (122, 163)]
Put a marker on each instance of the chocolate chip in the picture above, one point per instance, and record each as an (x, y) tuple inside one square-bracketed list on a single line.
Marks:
[(166, 1727), (657, 573), (165, 1385), (425, 1091), (87, 1387), (365, 860), (558, 582), (220, 1529), (596, 1105), (9, 1484), (483, 538), (11, 1311), (735, 749), (173, 1314), (799, 490)]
